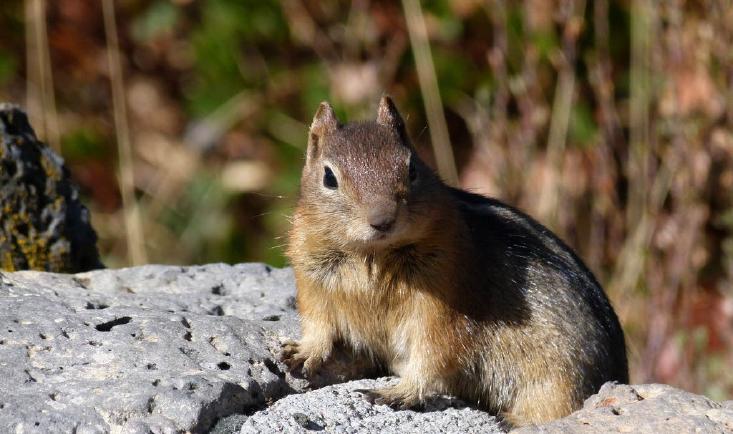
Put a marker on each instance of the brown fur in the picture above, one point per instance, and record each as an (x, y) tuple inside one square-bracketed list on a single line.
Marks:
[(463, 295)]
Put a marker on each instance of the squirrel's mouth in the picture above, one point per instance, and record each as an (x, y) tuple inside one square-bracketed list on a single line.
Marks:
[(379, 239), (380, 236), (363, 236)]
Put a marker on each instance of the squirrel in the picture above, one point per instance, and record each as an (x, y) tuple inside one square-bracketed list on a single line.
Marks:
[(453, 292)]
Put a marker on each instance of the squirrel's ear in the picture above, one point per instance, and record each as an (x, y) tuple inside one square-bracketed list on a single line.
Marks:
[(388, 115), (324, 122)]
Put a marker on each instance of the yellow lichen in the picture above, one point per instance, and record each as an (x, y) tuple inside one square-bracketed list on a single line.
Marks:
[(7, 262), (26, 242), (51, 170)]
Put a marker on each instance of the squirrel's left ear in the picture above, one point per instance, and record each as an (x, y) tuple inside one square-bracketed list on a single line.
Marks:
[(388, 116)]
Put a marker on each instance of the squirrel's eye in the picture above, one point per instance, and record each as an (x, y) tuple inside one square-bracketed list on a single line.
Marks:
[(329, 179), (412, 171)]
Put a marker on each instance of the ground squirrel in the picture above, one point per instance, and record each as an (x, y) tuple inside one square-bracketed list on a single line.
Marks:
[(453, 292)]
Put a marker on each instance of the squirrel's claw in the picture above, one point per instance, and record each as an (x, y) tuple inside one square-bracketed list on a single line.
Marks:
[(291, 356), (391, 397), (298, 361)]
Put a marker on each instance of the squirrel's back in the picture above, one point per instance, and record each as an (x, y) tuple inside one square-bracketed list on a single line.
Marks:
[(536, 282)]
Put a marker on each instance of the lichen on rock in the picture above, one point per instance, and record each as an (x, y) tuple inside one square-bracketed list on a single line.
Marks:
[(43, 224)]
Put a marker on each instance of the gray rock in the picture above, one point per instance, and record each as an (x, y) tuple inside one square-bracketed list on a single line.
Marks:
[(167, 349), (43, 224), (229, 425), (341, 409), (643, 408)]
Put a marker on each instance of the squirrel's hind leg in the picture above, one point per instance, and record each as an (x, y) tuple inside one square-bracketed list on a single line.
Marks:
[(544, 402)]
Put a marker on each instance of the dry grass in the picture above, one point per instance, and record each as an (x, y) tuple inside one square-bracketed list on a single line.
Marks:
[(131, 212), (40, 99), (440, 140)]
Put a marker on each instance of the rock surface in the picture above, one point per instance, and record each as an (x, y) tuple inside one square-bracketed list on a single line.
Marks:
[(644, 408), (153, 348), (340, 408), (193, 349), (43, 225)]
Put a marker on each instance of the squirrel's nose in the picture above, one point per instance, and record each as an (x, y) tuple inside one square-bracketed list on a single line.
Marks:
[(382, 218)]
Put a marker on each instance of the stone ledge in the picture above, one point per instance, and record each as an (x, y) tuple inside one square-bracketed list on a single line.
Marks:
[(643, 408), (340, 408), (153, 348), (191, 349)]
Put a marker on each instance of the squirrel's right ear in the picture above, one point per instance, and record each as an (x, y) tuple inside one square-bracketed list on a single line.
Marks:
[(324, 122), (389, 116)]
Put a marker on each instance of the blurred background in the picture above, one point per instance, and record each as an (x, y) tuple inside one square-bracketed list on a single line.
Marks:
[(611, 122)]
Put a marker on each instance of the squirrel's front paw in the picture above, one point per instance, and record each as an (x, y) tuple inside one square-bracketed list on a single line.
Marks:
[(296, 357), (397, 397)]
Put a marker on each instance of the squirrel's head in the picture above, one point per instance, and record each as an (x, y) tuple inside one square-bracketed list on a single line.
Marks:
[(363, 183)]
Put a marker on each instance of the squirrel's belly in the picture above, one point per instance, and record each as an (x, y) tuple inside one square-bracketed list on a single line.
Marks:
[(372, 330)]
